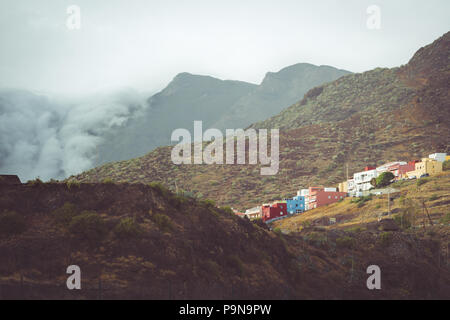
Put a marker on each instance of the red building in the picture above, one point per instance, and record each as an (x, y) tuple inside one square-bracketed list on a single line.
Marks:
[(368, 168), (411, 166), (274, 211), (319, 196)]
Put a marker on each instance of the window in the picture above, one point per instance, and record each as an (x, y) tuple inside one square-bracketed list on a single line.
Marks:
[(329, 197)]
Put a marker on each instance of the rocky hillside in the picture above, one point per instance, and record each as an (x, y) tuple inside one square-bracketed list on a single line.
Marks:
[(143, 242), (218, 103), (277, 91), (360, 119)]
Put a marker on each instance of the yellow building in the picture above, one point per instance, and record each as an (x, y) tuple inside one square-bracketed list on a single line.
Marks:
[(343, 186), (447, 158), (426, 166)]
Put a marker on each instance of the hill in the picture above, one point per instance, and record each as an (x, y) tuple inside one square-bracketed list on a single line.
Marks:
[(277, 91), (143, 242), (406, 203), (221, 104), (360, 119)]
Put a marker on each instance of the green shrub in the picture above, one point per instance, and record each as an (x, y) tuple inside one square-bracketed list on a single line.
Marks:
[(209, 202), (178, 200), (345, 242), (159, 187), (234, 262), (88, 225), (11, 223), (422, 181), (384, 179), (433, 197), (446, 165), (385, 238), (127, 228), (35, 182), (72, 183), (163, 222), (361, 201), (108, 181), (228, 210), (278, 231), (65, 213), (446, 219)]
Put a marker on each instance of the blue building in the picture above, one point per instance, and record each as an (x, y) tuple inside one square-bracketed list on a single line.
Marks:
[(296, 205)]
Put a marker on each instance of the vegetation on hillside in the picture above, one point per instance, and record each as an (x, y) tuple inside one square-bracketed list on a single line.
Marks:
[(370, 118)]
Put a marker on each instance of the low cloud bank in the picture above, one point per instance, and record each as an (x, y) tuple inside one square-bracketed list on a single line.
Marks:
[(47, 139)]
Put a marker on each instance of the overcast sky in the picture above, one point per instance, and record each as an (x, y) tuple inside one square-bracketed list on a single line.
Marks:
[(144, 44)]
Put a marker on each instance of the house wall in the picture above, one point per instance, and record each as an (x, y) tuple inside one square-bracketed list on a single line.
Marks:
[(324, 198), (438, 156), (362, 179), (295, 205), (274, 211), (426, 166)]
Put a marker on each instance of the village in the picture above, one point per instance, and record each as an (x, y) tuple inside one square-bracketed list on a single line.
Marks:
[(362, 184)]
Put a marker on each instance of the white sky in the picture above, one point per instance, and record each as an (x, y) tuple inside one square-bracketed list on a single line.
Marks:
[(143, 43)]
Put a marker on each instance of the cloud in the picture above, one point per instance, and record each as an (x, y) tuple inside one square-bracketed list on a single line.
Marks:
[(41, 138)]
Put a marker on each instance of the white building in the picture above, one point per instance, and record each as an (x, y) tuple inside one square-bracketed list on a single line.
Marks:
[(362, 180), (438, 156), (385, 167), (254, 213), (304, 193), (351, 187)]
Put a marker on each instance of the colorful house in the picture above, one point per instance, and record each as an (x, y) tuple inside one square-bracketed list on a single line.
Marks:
[(319, 196), (441, 157), (295, 205), (275, 211), (404, 169), (347, 186), (424, 167), (362, 179), (254, 213)]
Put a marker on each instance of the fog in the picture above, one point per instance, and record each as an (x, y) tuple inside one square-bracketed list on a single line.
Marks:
[(144, 43), (55, 139)]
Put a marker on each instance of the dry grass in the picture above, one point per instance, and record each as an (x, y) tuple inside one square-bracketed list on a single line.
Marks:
[(435, 193)]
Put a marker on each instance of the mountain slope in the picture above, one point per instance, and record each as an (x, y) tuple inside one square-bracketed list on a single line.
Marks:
[(219, 104), (134, 241), (361, 119), (277, 91), (187, 98)]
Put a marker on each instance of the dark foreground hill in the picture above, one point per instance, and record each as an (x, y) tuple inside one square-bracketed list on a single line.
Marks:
[(140, 241)]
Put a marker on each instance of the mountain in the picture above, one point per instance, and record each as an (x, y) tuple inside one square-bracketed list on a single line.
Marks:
[(359, 119), (135, 241), (221, 104), (187, 98), (277, 91)]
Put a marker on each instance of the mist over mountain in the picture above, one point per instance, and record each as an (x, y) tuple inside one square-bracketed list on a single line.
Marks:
[(187, 98), (54, 138), (40, 137)]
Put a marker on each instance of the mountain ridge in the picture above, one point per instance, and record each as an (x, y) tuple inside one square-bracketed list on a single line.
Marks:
[(396, 120)]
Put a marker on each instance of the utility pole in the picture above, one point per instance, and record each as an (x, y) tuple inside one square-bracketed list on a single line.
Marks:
[(389, 202)]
